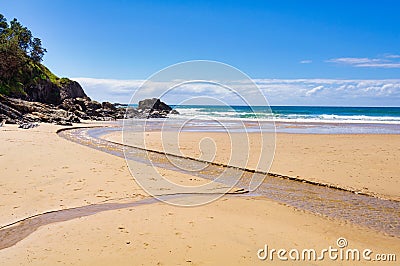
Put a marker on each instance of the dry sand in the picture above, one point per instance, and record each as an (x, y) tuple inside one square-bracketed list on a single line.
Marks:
[(40, 171), (365, 163)]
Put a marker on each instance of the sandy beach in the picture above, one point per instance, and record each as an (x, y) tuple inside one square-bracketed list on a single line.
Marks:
[(366, 163), (42, 172), (199, 133)]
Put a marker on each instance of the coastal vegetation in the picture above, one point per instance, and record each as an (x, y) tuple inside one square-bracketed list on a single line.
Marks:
[(20, 59), (30, 92), (22, 75)]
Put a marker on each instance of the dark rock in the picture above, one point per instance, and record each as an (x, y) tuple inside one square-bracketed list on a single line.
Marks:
[(71, 110), (7, 120), (174, 112), (153, 108), (93, 105), (157, 114), (153, 104), (108, 105), (24, 111), (81, 114), (73, 118), (85, 108), (70, 89), (45, 91), (28, 125), (9, 113), (37, 117), (82, 102), (70, 105)]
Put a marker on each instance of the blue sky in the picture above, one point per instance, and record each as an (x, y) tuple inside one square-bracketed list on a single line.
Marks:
[(126, 41)]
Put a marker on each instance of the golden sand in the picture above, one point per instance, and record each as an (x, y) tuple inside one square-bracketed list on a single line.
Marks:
[(42, 172)]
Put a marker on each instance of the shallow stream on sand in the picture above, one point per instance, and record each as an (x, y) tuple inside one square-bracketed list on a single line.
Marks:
[(375, 213)]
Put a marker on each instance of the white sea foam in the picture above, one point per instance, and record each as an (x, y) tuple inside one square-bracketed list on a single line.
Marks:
[(201, 114)]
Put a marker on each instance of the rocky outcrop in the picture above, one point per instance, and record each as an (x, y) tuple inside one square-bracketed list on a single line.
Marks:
[(19, 111), (9, 114), (153, 104), (154, 108), (85, 108), (45, 91), (72, 110), (70, 89)]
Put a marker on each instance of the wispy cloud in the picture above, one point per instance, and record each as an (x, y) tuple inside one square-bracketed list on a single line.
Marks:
[(390, 61), (392, 56), (305, 61), (277, 91), (354, 60), (380, 65), (314, 90)]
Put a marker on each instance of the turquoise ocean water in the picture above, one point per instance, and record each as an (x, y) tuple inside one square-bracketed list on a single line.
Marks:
[(297, 119), (290, 119), (388, 115)]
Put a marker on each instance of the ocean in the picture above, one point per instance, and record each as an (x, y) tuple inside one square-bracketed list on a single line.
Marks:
[(295, 119), (287, 119)]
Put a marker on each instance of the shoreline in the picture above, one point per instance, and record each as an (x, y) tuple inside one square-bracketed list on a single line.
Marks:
[(289, 127)]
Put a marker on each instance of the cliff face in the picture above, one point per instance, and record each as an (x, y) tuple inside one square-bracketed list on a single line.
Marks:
[(43, 91), (46, 91), (34, 82)]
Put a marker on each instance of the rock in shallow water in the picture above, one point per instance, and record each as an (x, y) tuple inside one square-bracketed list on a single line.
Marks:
[(153, 104)]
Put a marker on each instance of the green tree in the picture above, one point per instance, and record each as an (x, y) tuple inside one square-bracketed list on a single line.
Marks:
[(20, 57), (37, 51), (21, 33), (12, 62), (3, 24), (16, 32)]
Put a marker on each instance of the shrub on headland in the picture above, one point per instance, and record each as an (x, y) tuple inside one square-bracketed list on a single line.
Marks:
[(21, 73)]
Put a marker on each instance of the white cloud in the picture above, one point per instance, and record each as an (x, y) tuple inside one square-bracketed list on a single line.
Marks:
[(381, 65), (368, 62), (305, 61), (109, 89), (392, 56), (354, 60), (278, 91), (314, 90)]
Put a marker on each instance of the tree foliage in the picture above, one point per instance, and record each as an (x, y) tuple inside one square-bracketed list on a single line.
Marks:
[(20, 57), (16, 32)]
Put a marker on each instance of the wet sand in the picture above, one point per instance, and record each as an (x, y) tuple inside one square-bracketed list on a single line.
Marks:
[(364, 163), (42, 172)]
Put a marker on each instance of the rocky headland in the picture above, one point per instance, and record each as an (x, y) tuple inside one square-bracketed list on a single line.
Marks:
[(73, 110), (30, 92)]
